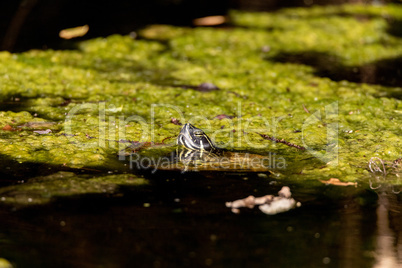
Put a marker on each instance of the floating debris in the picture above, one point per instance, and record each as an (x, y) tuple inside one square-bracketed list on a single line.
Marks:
[(203, 87), (74, 32), (397, 163), (279, 206), (376, 165), (175, 121), (381, 169), (305, 109), (224, 116), (47, 131), (268, 204), (266, 49), (206, 87), (38, 125), (210, 21), (337, 182)]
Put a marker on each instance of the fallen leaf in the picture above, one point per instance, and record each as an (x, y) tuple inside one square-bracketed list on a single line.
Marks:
[(8, 128), (209, 21), (337, 182), (74, 32)]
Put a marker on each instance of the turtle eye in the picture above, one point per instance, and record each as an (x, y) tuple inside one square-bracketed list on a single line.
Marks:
[(198, 132)]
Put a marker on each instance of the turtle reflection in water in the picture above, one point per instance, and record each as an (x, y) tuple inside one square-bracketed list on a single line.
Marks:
[(196, 152)]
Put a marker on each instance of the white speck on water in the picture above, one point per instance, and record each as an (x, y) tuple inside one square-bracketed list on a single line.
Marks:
[(62, 223), (326, 260), (3, 198), (29, 200)]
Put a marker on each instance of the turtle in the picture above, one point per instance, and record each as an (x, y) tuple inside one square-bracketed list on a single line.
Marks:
[(196, 152)]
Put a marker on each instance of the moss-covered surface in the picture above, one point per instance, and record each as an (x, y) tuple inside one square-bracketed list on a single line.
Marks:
[(41, 190), (117, 88)]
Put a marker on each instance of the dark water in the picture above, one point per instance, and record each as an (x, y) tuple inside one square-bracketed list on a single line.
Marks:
[(386, 72), (181, 220)]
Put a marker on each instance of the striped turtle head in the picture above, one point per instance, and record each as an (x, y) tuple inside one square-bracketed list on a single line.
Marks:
[(194, 139)]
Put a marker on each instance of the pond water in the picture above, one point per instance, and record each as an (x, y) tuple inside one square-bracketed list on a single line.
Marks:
[(181, 220)]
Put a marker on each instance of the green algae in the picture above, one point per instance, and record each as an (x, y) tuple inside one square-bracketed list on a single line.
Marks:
[(118, 89), (42, 190), (5, 263)]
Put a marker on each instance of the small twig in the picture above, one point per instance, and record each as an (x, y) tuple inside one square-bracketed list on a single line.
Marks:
[(68, 135), (374, 188), (126, 141), (375, 168), (89, 137), (238, 95), (305, 109), (266, 137), (163, 141)]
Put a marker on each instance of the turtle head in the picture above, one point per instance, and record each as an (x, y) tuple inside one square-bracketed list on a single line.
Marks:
[(194, 139)]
